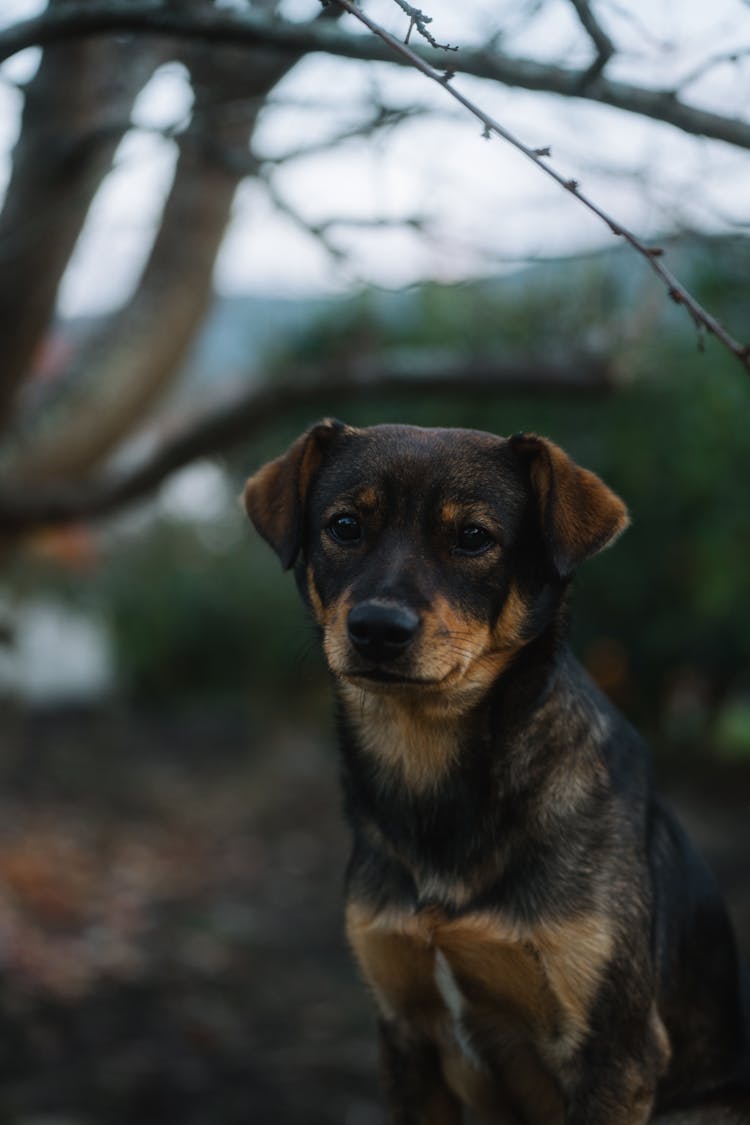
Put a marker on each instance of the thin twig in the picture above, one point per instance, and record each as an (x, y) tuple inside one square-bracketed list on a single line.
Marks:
[(418, 19), (384, 117), (319, 231), (707, 65), (603, 45), (653, 255)]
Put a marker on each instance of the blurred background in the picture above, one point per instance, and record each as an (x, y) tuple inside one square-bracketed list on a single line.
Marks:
[(221, 221)]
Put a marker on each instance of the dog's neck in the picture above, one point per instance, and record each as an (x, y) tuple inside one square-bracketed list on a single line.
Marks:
[(435, 783), (417, 741), (410, 743), (443, 793)]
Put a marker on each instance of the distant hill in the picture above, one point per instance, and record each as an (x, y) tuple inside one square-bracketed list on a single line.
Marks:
[(240, 332)]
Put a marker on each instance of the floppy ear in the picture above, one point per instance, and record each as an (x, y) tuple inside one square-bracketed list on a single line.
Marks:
[(275, 496), (579, 514)]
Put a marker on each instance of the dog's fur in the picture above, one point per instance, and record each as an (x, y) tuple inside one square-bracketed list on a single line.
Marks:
[(543, 944)]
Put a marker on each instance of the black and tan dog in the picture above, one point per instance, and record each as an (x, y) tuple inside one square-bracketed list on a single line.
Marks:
[(543, 944)]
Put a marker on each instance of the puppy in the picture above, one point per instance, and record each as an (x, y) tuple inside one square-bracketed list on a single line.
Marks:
[(542, 942)]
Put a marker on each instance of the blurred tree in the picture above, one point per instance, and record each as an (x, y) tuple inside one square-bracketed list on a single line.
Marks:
[(76, 111), (97, 57)]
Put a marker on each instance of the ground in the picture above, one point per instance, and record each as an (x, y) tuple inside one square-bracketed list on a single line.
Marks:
[(171, 941)]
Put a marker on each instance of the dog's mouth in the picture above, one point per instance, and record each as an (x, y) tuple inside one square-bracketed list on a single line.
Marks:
[(380, 676), (382, 679)]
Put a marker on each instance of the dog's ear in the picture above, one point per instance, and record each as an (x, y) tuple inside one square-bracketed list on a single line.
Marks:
[(579, 514), (275, 496)]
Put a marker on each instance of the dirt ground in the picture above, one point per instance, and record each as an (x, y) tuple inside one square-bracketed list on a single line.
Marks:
[(171, 943)]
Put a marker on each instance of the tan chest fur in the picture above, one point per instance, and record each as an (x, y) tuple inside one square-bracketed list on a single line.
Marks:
[(505, 1007)]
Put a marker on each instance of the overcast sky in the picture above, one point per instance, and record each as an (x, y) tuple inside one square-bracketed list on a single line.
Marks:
[(486, 204)]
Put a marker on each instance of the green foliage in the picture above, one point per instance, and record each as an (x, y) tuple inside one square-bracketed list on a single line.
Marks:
[(531, 314), (732, 728), (194, 622)]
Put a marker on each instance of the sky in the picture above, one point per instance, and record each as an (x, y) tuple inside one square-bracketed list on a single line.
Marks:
[(486, 206)]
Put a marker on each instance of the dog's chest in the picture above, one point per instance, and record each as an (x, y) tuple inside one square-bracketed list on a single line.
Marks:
[(505, 1008)]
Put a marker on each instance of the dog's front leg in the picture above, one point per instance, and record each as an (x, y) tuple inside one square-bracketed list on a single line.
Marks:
[(415, 1089), (609, 1099), (616, 1085)]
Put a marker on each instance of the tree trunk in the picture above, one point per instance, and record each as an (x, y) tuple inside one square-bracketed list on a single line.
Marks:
[(76, 110), (144, 345)]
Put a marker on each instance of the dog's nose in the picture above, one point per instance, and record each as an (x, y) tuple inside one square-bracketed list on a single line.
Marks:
[(381, 631)]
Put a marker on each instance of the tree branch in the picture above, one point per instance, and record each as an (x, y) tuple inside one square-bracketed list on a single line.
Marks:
[(250, 413), (603, 45), (702, 319), (419, 20), (320, 231), (246, 27), (384, 117), (708, 64)]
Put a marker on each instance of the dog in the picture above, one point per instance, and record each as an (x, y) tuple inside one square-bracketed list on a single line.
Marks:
[(542, 942)]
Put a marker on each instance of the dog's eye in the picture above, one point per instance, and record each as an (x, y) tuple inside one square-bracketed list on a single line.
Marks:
[(345, 529), (473, 540)]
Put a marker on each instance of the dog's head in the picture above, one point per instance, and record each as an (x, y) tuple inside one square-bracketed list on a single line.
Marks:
[(429, 557)]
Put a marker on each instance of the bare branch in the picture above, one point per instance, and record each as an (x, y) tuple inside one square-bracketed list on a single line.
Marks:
[(603, 45), (709, 64), (638, 23), (702, 319), (318, 231), (384, 117), (419, 20), (248, 415), (152, 17), (321, 230)]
